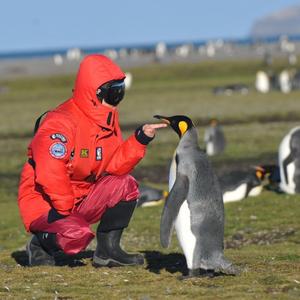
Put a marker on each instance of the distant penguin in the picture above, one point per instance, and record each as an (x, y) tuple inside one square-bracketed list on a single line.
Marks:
[(262, 82), (150, 196), (285, 82), (238, 185), (194, 205), (289, 162), (128, 80), (214, 138)]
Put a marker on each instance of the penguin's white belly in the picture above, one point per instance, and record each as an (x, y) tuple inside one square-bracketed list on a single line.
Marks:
[(290, 186), (283, 153), (235, 195), (255, 191), (186, 238), (210, 149), (172, 173)]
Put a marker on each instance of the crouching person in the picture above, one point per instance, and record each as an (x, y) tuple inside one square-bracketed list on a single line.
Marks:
[(77, 172)]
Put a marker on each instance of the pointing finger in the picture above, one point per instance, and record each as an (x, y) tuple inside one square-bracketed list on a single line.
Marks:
[(159, 125)]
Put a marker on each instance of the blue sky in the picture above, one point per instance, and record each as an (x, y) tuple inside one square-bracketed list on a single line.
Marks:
[(36, 24)]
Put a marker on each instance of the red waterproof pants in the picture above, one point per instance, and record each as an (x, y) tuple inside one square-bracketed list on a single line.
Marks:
[(73, 233)]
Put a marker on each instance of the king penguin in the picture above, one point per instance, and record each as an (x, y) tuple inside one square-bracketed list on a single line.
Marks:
[(289, 162), (214, 138), (194, 205), (150, 196), (239, 184)]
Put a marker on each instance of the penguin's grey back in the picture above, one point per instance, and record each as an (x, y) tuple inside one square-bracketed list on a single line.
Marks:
[(204, 185)]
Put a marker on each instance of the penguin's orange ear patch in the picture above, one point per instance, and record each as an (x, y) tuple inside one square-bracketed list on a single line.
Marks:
[(259, 174), (183, 126)]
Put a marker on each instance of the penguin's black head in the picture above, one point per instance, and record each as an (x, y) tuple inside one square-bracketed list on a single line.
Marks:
[(180, 124), (271, 172), (213, 122)]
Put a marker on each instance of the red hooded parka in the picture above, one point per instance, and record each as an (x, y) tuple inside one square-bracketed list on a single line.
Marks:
[(77, 142)]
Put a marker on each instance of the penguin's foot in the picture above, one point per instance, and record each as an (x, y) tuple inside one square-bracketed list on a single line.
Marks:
[(196, 273)]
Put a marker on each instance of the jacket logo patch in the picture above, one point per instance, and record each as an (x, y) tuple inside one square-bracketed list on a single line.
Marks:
[(58, 150), (84, 153), (58, 136), (99, 153)]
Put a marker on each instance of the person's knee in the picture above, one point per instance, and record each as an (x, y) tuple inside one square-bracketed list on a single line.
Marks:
[(75, 241), (75, 236), (130, 186)]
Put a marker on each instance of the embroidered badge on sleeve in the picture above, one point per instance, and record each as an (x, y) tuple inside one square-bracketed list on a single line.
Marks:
[(99, 153), (84, 153), (58, 150), (58, 136)]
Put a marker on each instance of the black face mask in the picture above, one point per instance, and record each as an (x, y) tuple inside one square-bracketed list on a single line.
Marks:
[(112, 92)]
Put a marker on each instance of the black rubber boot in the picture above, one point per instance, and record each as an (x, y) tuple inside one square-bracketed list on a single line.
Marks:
[(109, 252), (41, 249)]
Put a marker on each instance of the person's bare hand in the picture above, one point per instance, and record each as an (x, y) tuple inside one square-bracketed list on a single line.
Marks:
[(149, 129)]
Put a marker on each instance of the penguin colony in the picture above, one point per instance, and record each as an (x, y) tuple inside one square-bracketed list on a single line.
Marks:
[(194, 205)]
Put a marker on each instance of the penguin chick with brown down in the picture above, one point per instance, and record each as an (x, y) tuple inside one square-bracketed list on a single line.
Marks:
[(194, 205)]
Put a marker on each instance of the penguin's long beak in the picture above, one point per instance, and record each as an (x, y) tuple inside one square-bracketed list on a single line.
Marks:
[(164, 119)]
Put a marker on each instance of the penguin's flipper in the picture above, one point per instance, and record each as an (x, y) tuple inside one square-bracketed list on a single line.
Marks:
[(173, 203), (285, 164)]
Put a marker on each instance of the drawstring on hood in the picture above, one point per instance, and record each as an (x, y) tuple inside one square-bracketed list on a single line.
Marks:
[(94, 71)]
